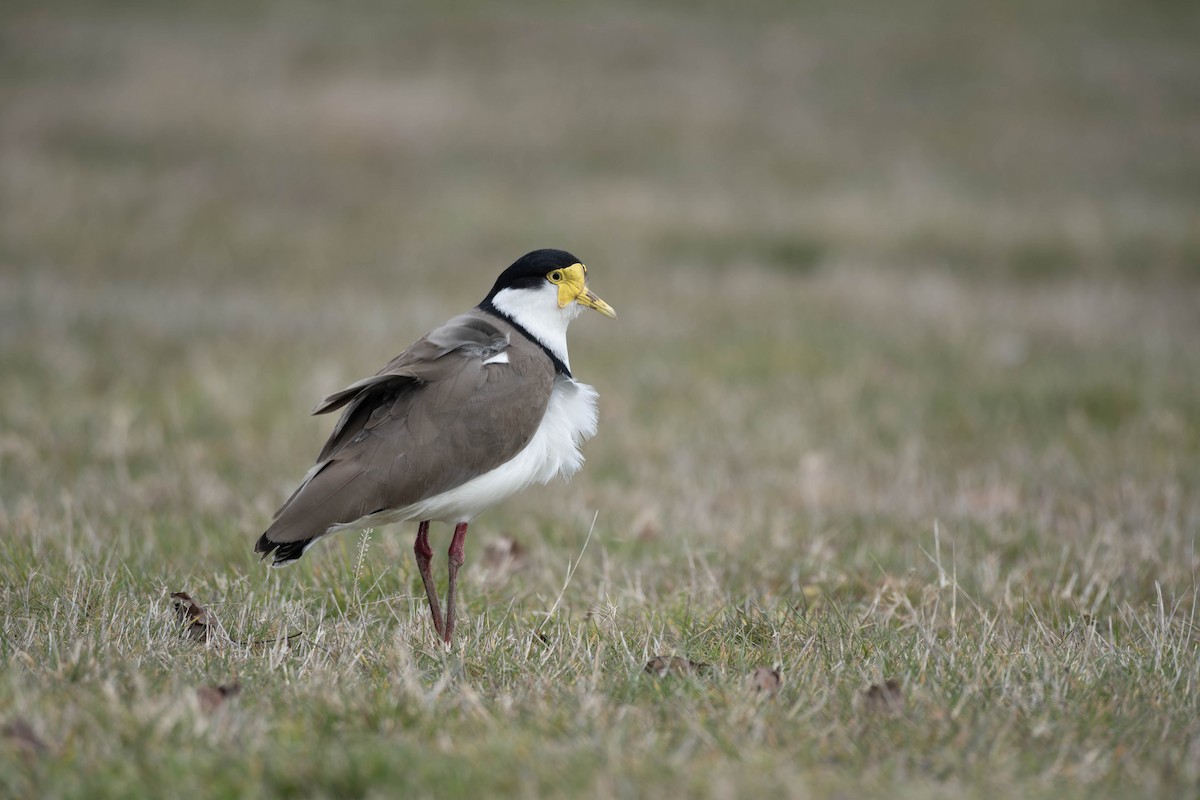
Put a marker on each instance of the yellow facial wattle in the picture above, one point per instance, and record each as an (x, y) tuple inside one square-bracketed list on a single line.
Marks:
[(572, 287)]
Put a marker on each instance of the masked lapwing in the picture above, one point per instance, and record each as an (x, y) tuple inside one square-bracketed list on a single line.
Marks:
[(473, 412)]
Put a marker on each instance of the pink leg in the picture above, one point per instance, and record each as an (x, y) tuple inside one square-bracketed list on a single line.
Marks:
[(456, 561), (424, 556)]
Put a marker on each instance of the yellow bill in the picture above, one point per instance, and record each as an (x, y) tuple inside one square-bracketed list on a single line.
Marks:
[(573, 288)]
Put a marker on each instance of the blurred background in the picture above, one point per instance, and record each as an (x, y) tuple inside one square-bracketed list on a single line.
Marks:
[(905, 387), (873, 260)]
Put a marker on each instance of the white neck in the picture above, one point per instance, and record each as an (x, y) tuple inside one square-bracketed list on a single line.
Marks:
[(537, 311)]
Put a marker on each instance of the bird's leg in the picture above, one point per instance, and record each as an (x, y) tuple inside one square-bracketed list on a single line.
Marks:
[(456, 561), (424, 556)]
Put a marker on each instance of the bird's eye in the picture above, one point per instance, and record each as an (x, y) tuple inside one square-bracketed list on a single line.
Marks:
[(556, 276)]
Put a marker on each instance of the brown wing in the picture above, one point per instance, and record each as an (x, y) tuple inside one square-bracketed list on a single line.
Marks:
[(433, 418)]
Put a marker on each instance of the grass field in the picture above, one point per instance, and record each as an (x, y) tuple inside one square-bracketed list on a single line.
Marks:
[(905, 387)]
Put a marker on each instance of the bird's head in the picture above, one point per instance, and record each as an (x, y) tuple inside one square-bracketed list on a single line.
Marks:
[(545, 283)]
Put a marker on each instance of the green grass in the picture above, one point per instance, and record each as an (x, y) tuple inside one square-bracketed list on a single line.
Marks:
[(905, 387)]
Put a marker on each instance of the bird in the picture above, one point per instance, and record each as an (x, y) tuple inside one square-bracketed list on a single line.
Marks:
[(473, 412)]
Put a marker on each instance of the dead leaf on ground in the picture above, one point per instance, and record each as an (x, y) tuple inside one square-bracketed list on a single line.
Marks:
[(198, 622), (885, 698), (673, 665), (503, 556), (766, 681), (212, 697), (21, 735), (645, 525)]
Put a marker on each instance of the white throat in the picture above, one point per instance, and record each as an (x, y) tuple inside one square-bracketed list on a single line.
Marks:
[(537, 311)]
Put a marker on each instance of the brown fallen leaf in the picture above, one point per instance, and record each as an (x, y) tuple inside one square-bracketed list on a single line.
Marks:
[(886, 698), (200, 624), (645, 525), (766, 681), (503, 556), (212, 697), (21, 735), (673, 665)]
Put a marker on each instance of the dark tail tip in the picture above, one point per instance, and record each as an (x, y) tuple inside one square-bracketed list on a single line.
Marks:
[(284, 552)]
